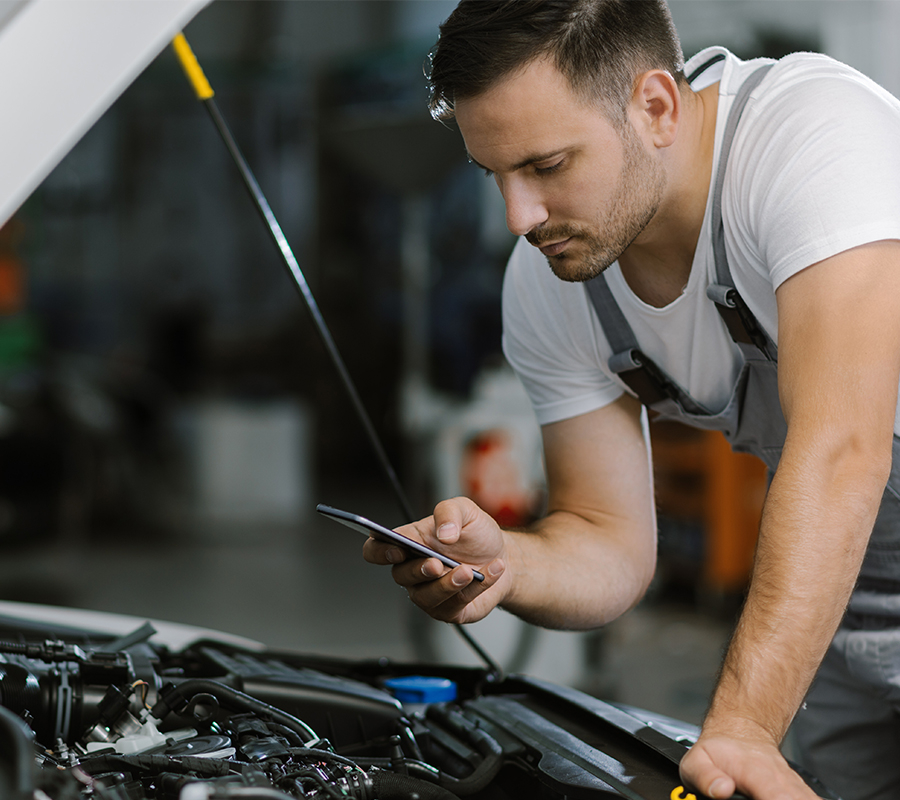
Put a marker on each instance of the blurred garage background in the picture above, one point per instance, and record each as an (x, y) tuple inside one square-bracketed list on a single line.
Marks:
[(169, 418)]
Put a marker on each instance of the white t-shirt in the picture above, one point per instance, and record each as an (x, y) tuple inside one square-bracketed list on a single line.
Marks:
[(814, 170)]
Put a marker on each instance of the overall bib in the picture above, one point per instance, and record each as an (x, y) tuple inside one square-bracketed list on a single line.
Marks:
[(848, 730)]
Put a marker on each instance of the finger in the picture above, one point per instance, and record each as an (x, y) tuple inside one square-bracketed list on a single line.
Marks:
[(449, 605), (429, 593), (463, 606), (719, 767), (698, 770), (449, 520), (376, 552), (452, 516), (448, 533), (420, 531), (418, 571), (458, 586)]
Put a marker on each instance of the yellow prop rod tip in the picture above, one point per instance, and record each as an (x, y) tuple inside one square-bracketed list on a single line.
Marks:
[(192, 68), (679, 794)]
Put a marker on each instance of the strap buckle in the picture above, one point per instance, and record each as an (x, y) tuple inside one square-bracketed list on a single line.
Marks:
[(739, 320), (643, 377)]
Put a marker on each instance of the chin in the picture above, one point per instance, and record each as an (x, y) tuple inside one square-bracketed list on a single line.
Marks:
[(576, 270)]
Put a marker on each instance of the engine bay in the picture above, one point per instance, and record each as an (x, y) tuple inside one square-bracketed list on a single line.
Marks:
[(127, 719), (87, 715)]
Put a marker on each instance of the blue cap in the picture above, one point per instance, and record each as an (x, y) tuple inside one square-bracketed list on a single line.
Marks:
[(422, 689)]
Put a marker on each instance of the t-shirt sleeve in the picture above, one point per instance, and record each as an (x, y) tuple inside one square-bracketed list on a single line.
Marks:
[(550, 340), (819, 171)]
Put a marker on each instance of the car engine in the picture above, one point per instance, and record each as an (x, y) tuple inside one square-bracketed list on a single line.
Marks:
[(84, 715)]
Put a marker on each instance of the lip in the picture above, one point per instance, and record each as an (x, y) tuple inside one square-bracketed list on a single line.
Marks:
[(555, 248)]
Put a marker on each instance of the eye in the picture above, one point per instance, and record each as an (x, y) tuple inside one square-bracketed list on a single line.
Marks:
[(551, 169)]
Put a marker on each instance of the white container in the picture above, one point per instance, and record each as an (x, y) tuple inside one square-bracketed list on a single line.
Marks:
[(252, 461)]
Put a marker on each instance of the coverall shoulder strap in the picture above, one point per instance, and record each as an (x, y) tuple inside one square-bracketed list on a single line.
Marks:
[(636, 370), (723, 272), (648, 381), (739, 320)]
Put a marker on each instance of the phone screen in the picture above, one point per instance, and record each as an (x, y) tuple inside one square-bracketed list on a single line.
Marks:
[(369, 528)]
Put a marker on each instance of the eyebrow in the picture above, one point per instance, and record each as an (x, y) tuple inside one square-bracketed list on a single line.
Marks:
[(528, 160)]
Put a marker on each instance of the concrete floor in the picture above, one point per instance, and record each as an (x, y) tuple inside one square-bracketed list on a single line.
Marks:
[(305, 587)]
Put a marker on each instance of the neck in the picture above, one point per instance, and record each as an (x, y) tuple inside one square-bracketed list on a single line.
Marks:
[(658, 263)]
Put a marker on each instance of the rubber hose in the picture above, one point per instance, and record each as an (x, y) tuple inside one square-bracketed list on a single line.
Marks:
[(391, 786), (113, 762), (486, 746), (240, 700), (290, 734), (324, 755), (414, 768), (481, 776)]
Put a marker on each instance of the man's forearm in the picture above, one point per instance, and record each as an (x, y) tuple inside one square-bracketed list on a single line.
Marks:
[(568, 572), (815, 527)]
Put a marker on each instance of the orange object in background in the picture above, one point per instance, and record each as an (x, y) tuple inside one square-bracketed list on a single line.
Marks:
[(735, 492), (699, 479)]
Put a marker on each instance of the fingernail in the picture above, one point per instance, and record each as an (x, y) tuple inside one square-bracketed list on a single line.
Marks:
[(459, 579), (719, 788), (446, 532), (495, 568), (393, 555)]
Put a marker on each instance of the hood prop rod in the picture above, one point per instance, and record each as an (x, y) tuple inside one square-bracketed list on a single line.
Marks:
[(206, 95)]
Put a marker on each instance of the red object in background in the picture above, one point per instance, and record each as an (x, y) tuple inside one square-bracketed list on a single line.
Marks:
[(12, 270), (12, 285), (490, 476)]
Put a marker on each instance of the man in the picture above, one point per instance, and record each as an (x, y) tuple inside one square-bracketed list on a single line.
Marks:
[(779, 325)]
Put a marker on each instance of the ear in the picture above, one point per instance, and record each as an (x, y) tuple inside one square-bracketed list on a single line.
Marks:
[(656, 106)]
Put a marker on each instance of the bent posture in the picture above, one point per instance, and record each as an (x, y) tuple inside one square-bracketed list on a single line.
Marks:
[(722, 242)]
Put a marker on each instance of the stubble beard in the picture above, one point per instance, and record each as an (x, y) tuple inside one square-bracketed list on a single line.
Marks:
[(635, 202)]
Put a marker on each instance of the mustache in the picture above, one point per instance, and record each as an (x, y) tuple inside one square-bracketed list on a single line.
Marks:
[(541, 236)]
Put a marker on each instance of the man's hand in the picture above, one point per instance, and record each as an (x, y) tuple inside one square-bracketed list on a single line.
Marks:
[(460, 529), (598, 539), (719, 766)]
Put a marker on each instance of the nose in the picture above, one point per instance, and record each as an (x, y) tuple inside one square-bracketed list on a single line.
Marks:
[(526, 209)]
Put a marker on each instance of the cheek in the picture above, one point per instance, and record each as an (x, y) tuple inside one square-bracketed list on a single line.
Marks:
[(579, 199)]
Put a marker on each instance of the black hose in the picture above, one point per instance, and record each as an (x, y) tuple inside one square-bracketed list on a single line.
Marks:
[(173, 697), (486, 746), (316, 754), (113, 762), (391, 786), (294, 739), (414, 768)]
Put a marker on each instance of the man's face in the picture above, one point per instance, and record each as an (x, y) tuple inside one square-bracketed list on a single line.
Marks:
[(575, 186)]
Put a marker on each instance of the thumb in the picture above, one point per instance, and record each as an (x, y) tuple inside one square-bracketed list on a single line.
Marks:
[(697, 769), (448, 533)]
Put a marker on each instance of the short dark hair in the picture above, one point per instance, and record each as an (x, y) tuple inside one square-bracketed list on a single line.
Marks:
[(601, 46)]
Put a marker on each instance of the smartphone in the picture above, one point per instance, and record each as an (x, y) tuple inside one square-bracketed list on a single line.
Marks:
[(369, 528)]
